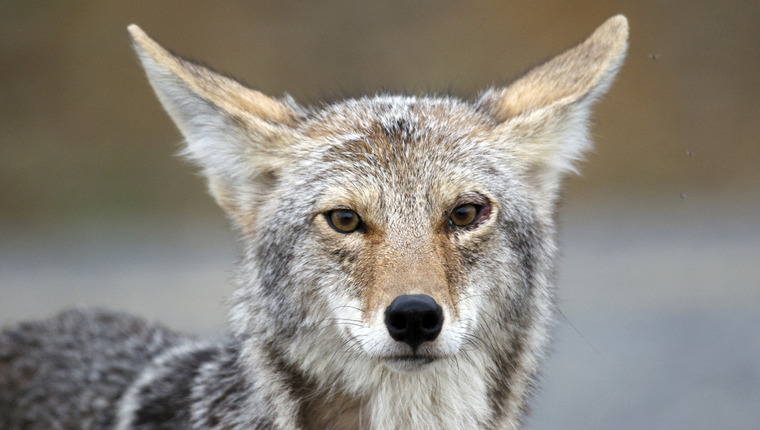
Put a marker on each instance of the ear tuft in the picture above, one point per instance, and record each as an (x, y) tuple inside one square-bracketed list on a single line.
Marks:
[(581, 73), (226, 93)]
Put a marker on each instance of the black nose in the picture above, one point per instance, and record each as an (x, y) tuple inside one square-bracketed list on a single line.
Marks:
[(413, 319)]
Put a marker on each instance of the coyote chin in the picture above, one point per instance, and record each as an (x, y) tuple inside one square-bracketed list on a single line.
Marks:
[(398, 256)]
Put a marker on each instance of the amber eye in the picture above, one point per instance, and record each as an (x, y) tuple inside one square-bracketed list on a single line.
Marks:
[(344, 220), (464, 215)]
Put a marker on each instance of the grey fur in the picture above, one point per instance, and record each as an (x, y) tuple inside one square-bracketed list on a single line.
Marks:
[(306, 348)]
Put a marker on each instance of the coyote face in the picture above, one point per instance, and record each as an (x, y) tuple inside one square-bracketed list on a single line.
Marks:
[(408, 226)]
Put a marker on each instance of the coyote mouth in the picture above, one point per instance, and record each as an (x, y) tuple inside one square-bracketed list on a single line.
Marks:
[(410, 363), (424, 359)]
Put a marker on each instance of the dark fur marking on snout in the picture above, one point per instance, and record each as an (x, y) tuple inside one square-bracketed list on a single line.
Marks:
[(344, 256)]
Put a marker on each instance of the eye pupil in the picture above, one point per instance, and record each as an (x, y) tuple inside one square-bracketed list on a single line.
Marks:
[(464, 215), (344, 220)]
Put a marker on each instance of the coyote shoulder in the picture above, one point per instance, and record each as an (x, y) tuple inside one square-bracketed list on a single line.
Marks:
[(397, 268)]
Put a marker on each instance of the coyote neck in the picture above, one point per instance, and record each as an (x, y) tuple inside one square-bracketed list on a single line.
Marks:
[(453, 395), (415, 402)]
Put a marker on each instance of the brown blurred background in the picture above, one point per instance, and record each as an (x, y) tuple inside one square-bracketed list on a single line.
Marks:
[(81, 132), (661, 234)]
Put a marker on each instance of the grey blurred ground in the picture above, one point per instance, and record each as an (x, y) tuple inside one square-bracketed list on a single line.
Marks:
[(662, 328), (660, 297)]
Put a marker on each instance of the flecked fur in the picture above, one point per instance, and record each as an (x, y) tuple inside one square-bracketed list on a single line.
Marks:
[(307, 346)]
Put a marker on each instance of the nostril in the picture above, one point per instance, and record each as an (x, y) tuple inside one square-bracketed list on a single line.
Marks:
[(430, 321), (414, 319), (396, 321)]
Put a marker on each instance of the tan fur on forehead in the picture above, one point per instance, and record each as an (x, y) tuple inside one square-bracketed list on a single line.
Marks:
[(354, 196)]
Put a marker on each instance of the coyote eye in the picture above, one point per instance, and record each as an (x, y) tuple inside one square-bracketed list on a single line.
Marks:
[(464, 215), (344, 220)]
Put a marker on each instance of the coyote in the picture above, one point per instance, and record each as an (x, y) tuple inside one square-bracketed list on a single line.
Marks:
[(396, 272)]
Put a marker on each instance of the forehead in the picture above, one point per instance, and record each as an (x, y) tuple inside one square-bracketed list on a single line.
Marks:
[(408, 117), (404, 147), (394, 132)]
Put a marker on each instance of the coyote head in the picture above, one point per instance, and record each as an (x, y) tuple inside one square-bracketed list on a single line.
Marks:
[(393, 234)]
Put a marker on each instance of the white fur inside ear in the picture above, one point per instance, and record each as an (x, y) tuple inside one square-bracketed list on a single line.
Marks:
[(235, 134), (548, 144), (212, 141)]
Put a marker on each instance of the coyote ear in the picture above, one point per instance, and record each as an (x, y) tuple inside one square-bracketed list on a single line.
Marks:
[(544, 114), (240, 137)]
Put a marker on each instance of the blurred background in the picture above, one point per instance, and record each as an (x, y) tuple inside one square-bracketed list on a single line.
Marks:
[(659, 283)]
